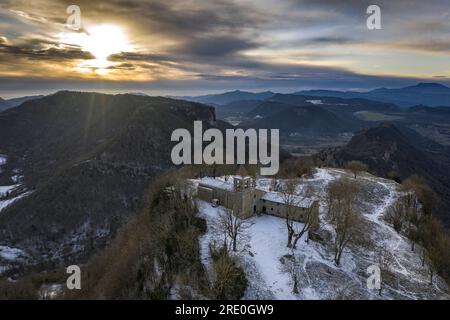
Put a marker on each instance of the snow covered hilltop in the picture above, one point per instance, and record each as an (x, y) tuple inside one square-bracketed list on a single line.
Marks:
[(246, 198), (309, 269)]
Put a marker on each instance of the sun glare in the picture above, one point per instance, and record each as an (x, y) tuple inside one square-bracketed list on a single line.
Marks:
[(101, 41), (105, 40)]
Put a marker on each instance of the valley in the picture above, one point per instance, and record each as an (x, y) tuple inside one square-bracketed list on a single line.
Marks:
[(200, 155), (76, 167)]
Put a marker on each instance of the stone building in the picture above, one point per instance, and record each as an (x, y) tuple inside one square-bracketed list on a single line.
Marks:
[(243, 196)]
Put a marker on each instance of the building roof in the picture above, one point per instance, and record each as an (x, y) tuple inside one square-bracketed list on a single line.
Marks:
[(217, 183), (302, 202)]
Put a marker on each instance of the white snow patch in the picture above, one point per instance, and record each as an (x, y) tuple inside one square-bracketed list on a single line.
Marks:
[(278, 197), (10, 254), (268, 245), (316, 102), (2, 161), (5, 189), (218, 183), (8, 202), (17, 178)]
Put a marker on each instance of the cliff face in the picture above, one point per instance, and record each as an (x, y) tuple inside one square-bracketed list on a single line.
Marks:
[(87, 159)]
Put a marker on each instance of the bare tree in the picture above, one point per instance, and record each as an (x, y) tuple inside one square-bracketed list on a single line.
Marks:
[(311, 218), (425, 195), (340, 192), (406, 217), (291, 201), (344, 217), (436, 240), (291, 265), (384, 264), (337, 191), (356, 167), (347, 226), (274, 185), (397, 215), (314, 223), (232, 226), (432, 262), (230, 281)]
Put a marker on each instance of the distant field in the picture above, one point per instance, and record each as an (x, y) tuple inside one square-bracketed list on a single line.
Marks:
[(375, 116), (306, 146)]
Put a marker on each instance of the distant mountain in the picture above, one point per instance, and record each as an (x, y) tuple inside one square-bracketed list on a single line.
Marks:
[(306, 120), (11, 103), (293, 99), (88, 158), (431, 94), (395, 149), (430, 110), (138, 94), (342, 109), (268, 108), (229, 97), (236, 108)]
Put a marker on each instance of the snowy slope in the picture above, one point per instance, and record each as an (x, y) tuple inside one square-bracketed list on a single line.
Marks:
[(4, 199), (9, 255), (260, 252)]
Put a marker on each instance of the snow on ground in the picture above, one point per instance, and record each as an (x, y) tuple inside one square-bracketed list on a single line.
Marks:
[(2, 159), (315, 101), (10, 254), (5, 189), (267, 242), (50, 291), (17, 178), (261, 252), (7, 202)]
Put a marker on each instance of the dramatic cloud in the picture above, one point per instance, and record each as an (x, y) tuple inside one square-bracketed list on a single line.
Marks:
[(223, 44)]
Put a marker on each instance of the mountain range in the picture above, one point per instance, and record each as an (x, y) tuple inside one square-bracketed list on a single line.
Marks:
[(14, 102), (228, 97), (430, 94)]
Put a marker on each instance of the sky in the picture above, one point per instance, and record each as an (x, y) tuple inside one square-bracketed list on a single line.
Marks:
[(194, 47)]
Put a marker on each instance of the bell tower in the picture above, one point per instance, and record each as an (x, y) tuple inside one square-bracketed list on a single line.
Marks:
[(244, 196)]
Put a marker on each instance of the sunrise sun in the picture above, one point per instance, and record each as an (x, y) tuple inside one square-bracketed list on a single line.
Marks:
[(105, 40), (101, 41)]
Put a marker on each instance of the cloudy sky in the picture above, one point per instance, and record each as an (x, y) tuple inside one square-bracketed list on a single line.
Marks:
[(193, 46)]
